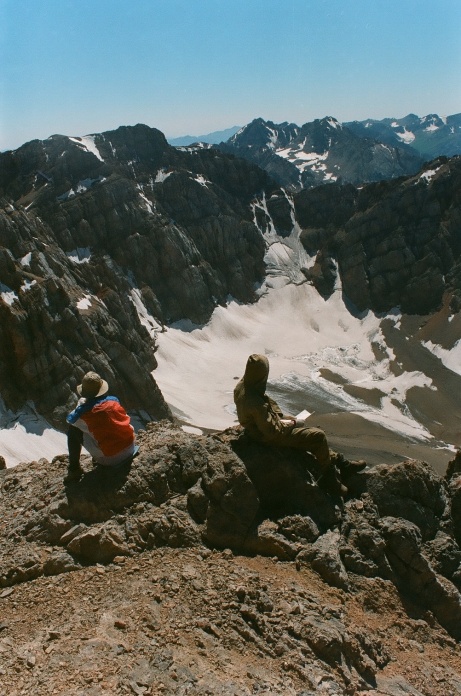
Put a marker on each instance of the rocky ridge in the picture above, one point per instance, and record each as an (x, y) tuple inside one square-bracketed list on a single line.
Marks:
[(429, 135), (215, 552), (320, 152)]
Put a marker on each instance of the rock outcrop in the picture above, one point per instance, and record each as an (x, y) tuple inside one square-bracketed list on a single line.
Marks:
[(400, 523), (187, 525)]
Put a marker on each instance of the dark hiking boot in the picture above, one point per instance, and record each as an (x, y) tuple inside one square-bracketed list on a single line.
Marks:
[(347, 466), (73, 475), (329, 483)]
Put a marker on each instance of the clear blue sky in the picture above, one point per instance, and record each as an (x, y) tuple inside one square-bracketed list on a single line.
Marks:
[(194, 66)]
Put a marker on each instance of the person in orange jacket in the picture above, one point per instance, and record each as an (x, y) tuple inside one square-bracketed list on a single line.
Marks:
[(101, 425)]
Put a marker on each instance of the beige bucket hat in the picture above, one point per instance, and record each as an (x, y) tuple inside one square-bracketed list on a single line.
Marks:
[(92, 385)]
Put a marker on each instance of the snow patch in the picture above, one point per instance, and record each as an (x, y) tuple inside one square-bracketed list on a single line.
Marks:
[(85, 302), (82, 186), (26, 436), (147, 202), (7, 294), (162, 175), (87, 143), (144, 315), (201, 180), (406, 136), (428, 175), (27, 284), (79, 255), (450, 357)]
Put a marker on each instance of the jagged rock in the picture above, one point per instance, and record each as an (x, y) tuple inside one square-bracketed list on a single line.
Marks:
[(266, 540), (98, 253), (100, 544), (410, 490), (2, 463), (413, 570), (445, 556), (454, 466), (394, 242), (298, 528), (291, 153), (226, 492), (58, 562), (284, 479), (323, 555), (454, 487)]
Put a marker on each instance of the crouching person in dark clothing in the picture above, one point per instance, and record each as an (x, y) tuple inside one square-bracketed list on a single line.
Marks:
[(101, 425), (264, 421)]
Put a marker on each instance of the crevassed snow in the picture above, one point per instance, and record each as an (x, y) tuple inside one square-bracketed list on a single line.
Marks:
[(87, 142), (451, 357), (300, 332)]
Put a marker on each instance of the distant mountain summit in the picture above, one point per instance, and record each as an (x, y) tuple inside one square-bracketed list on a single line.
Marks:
[(210, 138), (319, 152), (431, 136)]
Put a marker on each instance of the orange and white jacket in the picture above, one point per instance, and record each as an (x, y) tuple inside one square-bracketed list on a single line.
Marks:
[(107, 433)]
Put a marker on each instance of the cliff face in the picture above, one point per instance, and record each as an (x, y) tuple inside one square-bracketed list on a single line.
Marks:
[(395, 243), (101, 235)]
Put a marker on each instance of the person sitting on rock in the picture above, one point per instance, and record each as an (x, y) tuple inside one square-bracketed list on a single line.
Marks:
[(101, 425), (264, 422)]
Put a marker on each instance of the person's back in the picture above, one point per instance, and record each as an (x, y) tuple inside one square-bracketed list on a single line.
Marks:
[(264, 421), (259, 415), (107, 432), (101, 425)]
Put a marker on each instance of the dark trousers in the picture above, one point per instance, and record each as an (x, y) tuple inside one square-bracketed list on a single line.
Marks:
[(74, 445)]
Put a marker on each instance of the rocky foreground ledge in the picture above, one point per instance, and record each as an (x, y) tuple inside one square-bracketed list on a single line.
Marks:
[(217, 566)]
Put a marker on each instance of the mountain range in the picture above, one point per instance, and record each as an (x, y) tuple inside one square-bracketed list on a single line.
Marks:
[(152, 263), (325, 150)]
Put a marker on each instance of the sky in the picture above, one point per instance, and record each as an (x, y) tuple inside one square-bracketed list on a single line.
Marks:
[(191, 67)]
